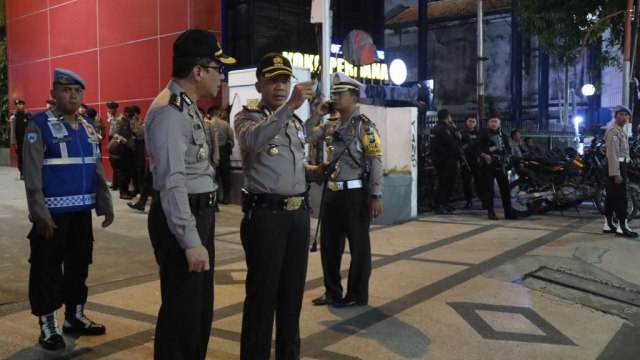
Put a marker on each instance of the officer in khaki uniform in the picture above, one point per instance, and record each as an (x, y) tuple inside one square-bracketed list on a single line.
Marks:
[(355, 192), (617, 158), (275, 228), (181, 218)]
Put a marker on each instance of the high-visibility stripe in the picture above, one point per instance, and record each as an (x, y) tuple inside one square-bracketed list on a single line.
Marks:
[(67, 161), (69, 201)]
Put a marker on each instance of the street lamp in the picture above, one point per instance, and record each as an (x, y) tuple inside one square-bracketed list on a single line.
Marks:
[(588, 89)]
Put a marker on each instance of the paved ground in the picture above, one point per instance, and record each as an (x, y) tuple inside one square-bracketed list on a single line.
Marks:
[(443, 287)]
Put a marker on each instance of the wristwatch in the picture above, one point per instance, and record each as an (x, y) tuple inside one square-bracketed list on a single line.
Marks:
[(376, 197)]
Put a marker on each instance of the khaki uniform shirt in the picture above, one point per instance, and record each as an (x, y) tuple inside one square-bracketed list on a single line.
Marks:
[(617, 149), (272, 150), (179, 159), (353, 162)]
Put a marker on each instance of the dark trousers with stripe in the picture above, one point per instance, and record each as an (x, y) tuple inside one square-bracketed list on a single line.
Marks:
[(184, 321), (276, 245), (60, 265), (345, 215)]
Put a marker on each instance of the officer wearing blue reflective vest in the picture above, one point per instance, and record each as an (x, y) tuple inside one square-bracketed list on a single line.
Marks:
[(64, 181), (181, 219), (355, 192)]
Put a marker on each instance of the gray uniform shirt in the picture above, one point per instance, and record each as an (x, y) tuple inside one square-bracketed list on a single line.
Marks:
[(272, 150), (617, 148), (354, 161), (179, 159)]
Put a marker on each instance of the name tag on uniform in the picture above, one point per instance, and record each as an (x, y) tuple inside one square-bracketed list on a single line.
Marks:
[(59, 132)]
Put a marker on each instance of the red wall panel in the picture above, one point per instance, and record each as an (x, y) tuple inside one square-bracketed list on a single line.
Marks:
[(174, 16), (16, 9), (118, 23), (28, 38), (84, 64), (130, 71), (30, 82), (77, 21)]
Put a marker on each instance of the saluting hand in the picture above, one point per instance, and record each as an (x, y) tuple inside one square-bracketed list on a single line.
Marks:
[(301, 92), (197, 258), (45, 227)]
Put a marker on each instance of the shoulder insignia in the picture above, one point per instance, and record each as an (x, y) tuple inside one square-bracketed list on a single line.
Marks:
[(251, 108), (176, 101), (368, 125)]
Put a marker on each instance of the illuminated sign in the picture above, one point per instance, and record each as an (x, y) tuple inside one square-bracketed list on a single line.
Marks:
[(375, 71)]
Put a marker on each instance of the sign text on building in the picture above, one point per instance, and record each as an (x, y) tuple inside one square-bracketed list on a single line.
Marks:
[(375, 71)]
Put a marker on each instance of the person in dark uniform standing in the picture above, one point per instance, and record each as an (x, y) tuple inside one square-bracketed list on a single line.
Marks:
[(469, 168), (114, 118), (225, 144), (445, 144), (275, 228), (617, 159), (181, 220), (494, 151), (18, 123), (354, 196), (64, 180)]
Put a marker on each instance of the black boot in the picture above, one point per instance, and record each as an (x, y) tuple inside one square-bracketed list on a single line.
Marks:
[(76, 323), (609, 226), (138, 205), (623, 230), (50, 336)]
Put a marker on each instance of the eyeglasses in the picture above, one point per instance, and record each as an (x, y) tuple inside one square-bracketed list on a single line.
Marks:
[(219, 69)]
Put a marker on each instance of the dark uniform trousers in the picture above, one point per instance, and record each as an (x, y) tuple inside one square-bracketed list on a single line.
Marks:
[(140, 172), (447, 173), (72, 245), (223, 173), (616, 199), (345, 214), (184, 321), (488, 173), (470, 178), (276, 245)]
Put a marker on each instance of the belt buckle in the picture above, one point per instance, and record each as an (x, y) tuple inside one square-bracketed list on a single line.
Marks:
[(293, 203), (333, 186)]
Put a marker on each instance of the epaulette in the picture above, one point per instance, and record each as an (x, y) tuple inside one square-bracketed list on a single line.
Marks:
[(176, 101), (252, 108), (365, 119), (369, 125)]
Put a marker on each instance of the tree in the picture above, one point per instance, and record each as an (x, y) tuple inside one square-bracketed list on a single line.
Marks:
[(561, 27)]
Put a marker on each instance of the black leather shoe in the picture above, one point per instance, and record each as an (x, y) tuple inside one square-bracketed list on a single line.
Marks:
[(136, 206), (624, 232), (126, 196), (322, 300), (346, 303), (492, 215), (75, 326), (54, 342)]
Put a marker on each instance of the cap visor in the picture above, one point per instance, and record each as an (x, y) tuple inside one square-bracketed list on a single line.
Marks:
[(279, 72)]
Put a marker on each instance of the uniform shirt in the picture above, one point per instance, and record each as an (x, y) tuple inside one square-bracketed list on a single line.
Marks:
[(179, 159), (18, 123), (272, 150), (468, 143), (114, 123), (58, 154), (444, 143), (224, 133), (617, 148), (352, 162)]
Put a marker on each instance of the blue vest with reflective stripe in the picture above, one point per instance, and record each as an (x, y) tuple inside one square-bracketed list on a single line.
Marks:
[(69, 179)]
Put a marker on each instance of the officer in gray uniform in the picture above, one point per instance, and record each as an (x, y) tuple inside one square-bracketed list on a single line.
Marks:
[(181, 217), (617, 158), (355, 192), (275, 227)]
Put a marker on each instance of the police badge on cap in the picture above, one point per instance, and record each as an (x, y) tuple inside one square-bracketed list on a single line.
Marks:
[(67, 77), (342, 83), (273, 64)]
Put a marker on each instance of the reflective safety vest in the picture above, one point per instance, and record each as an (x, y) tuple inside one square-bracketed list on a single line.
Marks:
[(69, 178)]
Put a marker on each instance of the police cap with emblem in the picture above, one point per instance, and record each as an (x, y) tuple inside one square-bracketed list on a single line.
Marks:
[(198, 43), (19, 101), (341, 83), (112, 105), (67, 77), (622, 108), (273, 64)]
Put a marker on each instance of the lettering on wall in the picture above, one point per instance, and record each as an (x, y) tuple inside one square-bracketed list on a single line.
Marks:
[(375, 71)]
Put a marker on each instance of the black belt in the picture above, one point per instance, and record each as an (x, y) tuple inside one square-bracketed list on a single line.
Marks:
[(275, 202), (198, 201)]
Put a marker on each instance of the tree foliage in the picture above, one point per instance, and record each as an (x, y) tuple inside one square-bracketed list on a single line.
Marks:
[(561, 25)]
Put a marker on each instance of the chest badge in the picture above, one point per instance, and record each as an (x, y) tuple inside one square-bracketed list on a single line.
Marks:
[(201, 154), (273, 150)]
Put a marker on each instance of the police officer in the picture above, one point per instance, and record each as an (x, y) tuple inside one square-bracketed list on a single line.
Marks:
[(494, 150), (469, 169), (354, 195), (181, 219), (225, 145), (617, 158), (18, 123), (114, 118), (64, 180), (275, 228), (445, 144)]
